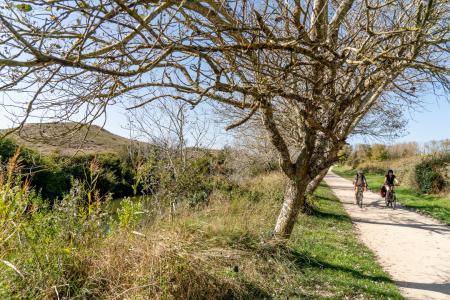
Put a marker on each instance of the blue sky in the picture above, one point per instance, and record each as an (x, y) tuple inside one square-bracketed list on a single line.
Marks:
[(431, 122)]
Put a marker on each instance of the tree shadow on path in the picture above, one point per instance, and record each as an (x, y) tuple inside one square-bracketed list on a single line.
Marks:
[(443, 288)]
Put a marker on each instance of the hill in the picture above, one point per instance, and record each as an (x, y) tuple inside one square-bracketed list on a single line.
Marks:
[(68, 139)]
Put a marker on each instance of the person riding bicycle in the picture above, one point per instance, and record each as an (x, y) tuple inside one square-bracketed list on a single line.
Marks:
[(360, 181), (390, 181)]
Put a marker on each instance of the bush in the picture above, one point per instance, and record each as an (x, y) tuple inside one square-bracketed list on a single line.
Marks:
[(375, 168), (52, 175), (379, 152), (429, 175), (130, 213), (40, 246)]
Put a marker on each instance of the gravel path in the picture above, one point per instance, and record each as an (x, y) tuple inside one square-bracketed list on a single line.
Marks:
[(413, 249)]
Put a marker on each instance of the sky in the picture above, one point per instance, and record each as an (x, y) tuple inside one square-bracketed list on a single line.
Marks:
[(431, 122)]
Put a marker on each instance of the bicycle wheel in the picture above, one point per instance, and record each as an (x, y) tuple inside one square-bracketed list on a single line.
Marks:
[(359, 197)]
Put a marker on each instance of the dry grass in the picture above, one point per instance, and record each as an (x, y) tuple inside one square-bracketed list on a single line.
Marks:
[(209, 254), (220, 251), (224, 251)]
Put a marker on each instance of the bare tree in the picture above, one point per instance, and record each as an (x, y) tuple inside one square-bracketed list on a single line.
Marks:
[(384, 122), (172, 133), (172, 127), (310, 70)]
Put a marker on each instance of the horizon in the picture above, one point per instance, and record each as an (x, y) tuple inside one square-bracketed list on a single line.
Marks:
[(426, 123)]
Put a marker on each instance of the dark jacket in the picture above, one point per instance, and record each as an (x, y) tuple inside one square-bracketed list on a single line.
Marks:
[(389, 180)]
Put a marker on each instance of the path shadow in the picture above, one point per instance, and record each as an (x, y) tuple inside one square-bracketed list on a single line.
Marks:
[(443, 288), (303, 260), (441, 229), (378, 204), (327, 215)]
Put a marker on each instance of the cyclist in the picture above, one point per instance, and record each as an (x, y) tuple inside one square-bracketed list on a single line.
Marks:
[(360, 181), (390, 181)]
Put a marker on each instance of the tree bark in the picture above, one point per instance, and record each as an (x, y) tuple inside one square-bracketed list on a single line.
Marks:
[(313, 184), (294, 200)]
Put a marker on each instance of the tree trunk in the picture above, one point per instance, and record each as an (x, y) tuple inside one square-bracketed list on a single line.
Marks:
[(294, 200), (313, 184)]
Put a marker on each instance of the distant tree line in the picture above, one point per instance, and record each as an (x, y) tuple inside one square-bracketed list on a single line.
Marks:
[(354, 155), (430, 168)]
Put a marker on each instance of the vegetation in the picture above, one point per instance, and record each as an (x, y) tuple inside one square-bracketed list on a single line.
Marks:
[(117, 174), (435, 206), (68, 139), (307, 73), (219, 250), (426, 171), (432, 174), (52, 175)]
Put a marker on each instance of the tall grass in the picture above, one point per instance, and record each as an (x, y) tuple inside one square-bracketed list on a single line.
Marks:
[(221, 250)]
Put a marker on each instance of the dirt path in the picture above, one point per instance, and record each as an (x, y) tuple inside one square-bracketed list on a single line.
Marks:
[(413, 248)]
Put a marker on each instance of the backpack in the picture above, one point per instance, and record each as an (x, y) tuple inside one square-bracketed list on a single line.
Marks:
[(363, 178), (383, 191)]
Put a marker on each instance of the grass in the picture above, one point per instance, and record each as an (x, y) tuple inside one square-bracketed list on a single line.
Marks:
[(220, 251), (431, 205), (340, 262), (224, 251)]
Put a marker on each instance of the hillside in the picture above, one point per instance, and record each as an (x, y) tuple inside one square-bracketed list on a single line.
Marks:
[(67, 139)]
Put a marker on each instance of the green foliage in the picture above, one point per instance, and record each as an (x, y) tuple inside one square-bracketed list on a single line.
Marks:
[(40, 246), (52, 175), (66, 251), (179, 180), (379, 152), (130, 213), (7, 148), (370, 167), (364, 152), (24, 7), (429, 175), (15, 196), (345, 153)]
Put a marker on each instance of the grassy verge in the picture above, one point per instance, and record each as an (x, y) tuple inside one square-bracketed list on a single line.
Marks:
[(221, 251), (432, 205)]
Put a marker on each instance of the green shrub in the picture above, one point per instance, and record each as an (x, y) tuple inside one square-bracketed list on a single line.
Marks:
[(429, 175), (130, 213), (379, 152), (40, 245), (375, 168)]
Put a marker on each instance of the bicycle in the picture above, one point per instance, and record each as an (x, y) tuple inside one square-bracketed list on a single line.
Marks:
[(390, 198), (359, 196)]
